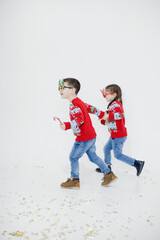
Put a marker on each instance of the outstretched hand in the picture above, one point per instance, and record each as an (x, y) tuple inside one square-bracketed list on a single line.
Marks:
[(105, 117), (103, 92), (63, 126)]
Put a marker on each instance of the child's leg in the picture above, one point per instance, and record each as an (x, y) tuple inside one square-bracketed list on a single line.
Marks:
[(76, 153), (91, 152), (79, 148), (107, 152), (117, 144)]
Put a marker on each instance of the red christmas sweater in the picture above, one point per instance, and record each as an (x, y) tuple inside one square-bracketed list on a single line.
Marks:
[(116, 120), (80, 120)]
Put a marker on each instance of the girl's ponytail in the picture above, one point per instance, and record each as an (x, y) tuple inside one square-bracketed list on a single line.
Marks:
[(120, 99)]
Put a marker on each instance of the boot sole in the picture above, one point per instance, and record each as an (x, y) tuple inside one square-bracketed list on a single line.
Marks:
[(70, 187)]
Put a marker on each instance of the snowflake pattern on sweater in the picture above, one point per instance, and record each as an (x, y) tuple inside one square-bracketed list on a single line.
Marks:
[(77, 119), (80, 120)]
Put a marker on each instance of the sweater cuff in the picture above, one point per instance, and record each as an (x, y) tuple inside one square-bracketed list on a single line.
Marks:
[(103, 122), (67, 125), (101, 115)]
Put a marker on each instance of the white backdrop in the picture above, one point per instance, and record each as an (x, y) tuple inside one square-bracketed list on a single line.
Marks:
[(97, 42)]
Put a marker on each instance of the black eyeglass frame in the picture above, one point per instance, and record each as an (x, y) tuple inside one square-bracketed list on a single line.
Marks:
[(61, 88)]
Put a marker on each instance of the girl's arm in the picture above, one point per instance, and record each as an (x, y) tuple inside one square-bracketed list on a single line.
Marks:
[(116, 113)]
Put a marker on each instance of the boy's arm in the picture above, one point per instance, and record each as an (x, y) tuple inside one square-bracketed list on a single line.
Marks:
[(77, 119), (104, 122), (94, 110), (67, 125)]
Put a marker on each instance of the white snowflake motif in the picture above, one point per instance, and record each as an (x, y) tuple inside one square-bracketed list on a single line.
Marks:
[(112, 125), (117, 116), (75, 127)]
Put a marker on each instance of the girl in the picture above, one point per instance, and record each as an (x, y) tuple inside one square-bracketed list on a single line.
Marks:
[(115, 120)]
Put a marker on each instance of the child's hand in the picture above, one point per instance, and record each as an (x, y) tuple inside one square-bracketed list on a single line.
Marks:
[(63, 126), (105, 117), (103, 92)]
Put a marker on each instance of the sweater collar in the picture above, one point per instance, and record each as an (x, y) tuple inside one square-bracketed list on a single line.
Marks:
[(74, 100)]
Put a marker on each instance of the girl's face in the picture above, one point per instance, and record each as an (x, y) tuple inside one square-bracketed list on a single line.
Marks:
[(109, 95)]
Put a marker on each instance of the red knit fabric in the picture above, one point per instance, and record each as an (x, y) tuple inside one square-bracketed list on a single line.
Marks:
[(80, 120), (116, 120)]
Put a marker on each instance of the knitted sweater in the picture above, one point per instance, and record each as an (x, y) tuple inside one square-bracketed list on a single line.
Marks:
[(80, 120), (116, 120)]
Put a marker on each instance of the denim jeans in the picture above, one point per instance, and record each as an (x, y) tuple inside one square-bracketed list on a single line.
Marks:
[(116, 144), (88, 147)]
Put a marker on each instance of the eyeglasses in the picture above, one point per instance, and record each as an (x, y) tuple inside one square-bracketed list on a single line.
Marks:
[(105, 95), (62, 87)]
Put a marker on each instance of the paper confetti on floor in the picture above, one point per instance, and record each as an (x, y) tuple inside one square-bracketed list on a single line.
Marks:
[(36, 208)]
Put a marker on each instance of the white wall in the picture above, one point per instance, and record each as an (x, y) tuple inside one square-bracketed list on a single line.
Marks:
[(98, 42)]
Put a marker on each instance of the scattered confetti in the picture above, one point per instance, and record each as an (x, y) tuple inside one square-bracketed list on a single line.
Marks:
[(17, 234), (59, 215)]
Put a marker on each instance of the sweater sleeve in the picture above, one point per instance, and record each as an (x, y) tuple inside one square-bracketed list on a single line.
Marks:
[(67, 125), (116, 113), (93, 110), (77, 120), (104, 122)]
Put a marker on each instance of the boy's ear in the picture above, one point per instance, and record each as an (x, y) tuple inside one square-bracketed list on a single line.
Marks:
[(73, 90)]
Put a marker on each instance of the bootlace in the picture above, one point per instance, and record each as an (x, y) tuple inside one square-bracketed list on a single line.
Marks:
[(68, 179), (105, 176)]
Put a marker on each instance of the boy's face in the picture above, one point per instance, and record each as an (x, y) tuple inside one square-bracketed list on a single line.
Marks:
[(66, 91)]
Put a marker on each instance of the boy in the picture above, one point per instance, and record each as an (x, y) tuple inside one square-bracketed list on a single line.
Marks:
[(83, 130)]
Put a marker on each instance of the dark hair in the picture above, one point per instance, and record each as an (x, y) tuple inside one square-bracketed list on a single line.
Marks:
[(72, 82), (115, 88)]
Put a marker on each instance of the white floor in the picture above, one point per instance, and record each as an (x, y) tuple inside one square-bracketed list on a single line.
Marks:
[(100, 43), (33, 206)]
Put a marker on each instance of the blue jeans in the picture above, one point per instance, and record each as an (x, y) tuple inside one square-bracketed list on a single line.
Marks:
[(116, 144), (79, 148)]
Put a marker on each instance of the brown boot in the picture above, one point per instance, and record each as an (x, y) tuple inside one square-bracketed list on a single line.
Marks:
[(70, 183), (108, 178)]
